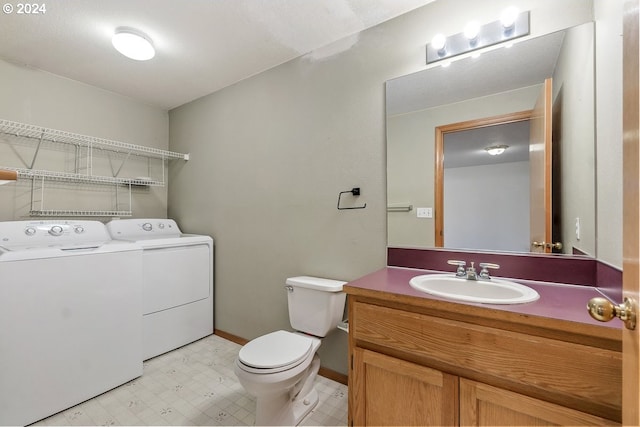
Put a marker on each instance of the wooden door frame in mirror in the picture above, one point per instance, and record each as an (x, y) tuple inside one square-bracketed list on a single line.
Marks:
[(439, 158)]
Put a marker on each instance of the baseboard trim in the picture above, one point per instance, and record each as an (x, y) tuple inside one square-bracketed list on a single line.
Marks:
[(327, 373), (333, 375), (233, 338)]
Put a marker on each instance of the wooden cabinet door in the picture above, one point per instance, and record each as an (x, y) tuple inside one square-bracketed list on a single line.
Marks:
[(484, 405), (390, 391)]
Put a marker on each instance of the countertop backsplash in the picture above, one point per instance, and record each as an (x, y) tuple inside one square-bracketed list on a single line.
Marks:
[(573, 270)]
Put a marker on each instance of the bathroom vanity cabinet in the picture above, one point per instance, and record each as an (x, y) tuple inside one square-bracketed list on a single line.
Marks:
[(424, 361)]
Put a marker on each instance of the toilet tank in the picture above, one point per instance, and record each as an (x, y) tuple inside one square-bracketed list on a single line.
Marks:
[(316, 305)]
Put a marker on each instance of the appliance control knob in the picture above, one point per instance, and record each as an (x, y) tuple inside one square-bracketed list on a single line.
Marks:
[(30, 231), (161, 225), (56, 230), (79, 229), (147, 226)]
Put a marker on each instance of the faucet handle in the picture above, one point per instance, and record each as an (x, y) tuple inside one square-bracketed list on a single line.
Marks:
[(460, 272), (484, 273)]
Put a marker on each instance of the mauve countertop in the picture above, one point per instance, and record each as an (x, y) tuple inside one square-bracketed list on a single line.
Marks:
[(557, 301)]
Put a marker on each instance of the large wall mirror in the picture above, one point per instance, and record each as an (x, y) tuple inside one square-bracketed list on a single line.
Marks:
[(486, 201)]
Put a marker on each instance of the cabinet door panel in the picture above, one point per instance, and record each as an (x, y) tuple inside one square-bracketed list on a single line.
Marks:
[(389, 391), (484, 405), (510, 359)]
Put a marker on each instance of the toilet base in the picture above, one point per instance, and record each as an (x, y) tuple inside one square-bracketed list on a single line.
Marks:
[(281, 411), (302, 407)]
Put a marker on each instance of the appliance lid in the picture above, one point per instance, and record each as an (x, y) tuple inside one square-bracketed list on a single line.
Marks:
[(316, 283), (275, 350)]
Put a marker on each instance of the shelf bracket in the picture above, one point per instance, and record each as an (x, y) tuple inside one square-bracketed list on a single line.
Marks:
[(116, 173)]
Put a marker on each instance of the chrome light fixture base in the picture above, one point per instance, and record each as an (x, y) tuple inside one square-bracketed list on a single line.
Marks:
[(488, 35)]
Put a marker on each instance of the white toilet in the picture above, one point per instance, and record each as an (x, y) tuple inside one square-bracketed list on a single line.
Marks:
[(279, 368)]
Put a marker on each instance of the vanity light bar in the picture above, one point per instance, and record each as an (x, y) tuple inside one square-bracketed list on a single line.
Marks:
[(488, 35)]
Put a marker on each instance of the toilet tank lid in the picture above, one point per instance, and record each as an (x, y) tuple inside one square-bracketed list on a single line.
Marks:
[(317, 283)]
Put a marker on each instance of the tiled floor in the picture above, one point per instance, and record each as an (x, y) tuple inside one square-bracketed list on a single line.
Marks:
[(193, 385)]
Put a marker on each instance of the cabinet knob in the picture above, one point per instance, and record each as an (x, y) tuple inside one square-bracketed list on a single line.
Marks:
[(604, 310)]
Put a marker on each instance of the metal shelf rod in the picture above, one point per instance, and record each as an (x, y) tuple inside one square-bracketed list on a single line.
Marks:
[(74, 177), (79, 213), (37, 132)]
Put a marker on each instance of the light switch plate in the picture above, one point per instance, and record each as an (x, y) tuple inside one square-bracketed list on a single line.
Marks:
[(424, 212)]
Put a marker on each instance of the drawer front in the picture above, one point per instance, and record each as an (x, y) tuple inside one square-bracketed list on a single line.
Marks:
[(577, 376)]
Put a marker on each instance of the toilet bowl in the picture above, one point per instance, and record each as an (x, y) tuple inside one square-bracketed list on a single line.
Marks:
[(279, 368), (275, 368)]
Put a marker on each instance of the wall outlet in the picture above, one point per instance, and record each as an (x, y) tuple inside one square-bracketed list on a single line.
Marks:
[(578, 228), (424, 212)]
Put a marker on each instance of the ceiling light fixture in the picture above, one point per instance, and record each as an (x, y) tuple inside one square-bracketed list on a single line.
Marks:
[(133, 44), (512, 25), (496, 150)]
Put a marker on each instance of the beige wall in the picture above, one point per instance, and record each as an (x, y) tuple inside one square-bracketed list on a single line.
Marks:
[(609, 130), (574, 80), (271, 153), (38, 98)]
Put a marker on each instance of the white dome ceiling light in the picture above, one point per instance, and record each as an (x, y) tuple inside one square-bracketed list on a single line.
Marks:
[(133, 44), (496, 150)]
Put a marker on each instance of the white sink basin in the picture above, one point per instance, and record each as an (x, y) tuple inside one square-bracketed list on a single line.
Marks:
[(492, 291)]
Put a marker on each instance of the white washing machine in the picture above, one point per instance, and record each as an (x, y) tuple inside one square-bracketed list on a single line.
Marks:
[(70, 316), (177, 285)]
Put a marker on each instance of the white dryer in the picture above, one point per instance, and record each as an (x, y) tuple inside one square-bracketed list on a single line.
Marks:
[(177, 285), (70, 316)]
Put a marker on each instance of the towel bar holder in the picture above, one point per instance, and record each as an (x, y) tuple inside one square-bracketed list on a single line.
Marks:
[(355, 192)]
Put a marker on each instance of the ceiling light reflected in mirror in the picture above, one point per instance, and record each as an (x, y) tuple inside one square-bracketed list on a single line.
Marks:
[(496, 150)]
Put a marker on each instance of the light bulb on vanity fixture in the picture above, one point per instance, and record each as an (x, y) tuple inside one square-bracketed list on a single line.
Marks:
[(511, 25), (133, 44), (496, 150), (471, 32), (439, 43), (508, 18)]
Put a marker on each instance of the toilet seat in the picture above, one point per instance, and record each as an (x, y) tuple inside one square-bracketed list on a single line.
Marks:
[(275, 352)]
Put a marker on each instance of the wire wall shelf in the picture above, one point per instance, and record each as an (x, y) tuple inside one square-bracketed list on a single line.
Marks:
[(54, 135), (82, 157), (75, 213), (76, 177)]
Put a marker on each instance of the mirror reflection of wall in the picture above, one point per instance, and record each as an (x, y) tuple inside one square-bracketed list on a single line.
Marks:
[(499, 82)]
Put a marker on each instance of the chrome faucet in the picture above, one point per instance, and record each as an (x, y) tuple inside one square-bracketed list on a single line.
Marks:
[(484, 273), (460, 271), (470, 272)]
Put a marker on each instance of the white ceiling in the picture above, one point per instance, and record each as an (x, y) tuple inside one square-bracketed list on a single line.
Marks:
[(202, 45), (467, 148)]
